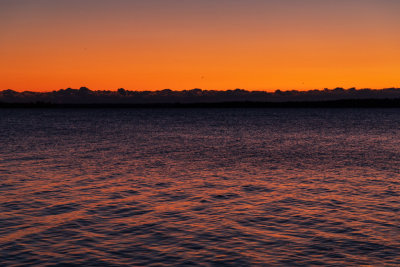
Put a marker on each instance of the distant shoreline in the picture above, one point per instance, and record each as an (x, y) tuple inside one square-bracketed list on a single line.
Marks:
[(347, 103)]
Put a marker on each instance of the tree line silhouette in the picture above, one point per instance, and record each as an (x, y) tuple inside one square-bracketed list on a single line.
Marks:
[(198, 97)]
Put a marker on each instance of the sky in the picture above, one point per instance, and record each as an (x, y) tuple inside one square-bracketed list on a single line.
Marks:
[(267, 45)]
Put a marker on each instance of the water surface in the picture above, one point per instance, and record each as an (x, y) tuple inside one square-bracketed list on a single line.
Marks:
[(207, 187)]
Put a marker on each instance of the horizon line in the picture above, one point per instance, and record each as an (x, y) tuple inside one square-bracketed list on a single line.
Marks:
[(214, 90)]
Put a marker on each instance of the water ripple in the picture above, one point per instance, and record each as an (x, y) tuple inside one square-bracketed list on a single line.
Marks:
[(199, 187)]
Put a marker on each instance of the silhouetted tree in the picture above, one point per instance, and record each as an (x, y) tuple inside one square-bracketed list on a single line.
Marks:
[(121, 91), (84, 90)]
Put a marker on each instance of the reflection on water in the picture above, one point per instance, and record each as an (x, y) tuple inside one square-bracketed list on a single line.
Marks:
[(230, 187)]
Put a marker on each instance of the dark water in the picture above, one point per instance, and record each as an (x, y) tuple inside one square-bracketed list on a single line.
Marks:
[(231, 187)]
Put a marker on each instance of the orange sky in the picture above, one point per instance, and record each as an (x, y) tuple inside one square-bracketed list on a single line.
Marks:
[(155, 44)]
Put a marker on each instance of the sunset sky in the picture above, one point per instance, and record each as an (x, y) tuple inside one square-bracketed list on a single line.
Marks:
[(211, 44)]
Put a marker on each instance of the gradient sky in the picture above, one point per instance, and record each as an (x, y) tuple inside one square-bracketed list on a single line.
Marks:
[(211, 44)]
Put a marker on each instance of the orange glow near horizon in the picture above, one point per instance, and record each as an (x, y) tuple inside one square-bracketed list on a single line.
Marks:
[(254, 45)]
